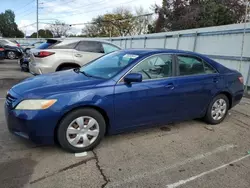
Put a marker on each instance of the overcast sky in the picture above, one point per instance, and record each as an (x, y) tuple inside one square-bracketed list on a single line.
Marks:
[(69, 11)]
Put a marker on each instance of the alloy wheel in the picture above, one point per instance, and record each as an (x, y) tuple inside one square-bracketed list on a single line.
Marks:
[(82, 131), (11, 55), (219, 109)]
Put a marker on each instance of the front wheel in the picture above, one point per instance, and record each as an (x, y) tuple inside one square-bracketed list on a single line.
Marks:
[(217, 109), (81, 130), (11, 55)]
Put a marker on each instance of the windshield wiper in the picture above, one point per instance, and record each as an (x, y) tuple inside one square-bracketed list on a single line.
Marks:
[(77, 70), (85, 74)]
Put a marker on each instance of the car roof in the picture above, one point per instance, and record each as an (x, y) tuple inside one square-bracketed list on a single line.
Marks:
[(145, 51), (69, 40)]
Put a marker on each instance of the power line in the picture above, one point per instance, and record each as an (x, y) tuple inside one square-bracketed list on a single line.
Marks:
[(120, 19), (26, 14), (28, 25), (81, 6), (64, 3), (108, 7), (24, 7)]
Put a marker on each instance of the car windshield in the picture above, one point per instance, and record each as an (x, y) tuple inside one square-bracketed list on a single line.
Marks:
[(108, 65)]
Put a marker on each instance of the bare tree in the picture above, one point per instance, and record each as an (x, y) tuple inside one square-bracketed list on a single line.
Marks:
[(59, 29), (142, 19)]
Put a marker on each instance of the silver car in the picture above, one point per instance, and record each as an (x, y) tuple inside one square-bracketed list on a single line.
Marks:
[(68, 54)]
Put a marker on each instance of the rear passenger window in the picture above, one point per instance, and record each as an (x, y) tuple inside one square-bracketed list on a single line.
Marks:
[(109, 48), (189, 65), (90, 46), (64, 46)]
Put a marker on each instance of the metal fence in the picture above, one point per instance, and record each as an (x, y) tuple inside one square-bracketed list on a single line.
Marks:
[(228, 44)]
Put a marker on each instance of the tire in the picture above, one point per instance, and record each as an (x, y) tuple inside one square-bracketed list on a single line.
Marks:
[(26, 50), (69, 123), (25, 67), (215, 108), (65, 68), (11, 55)]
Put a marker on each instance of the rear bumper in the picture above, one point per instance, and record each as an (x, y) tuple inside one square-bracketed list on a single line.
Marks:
[(237, 98), (37, 69), (2, 55)]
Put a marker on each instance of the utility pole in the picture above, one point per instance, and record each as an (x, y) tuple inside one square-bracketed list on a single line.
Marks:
[(37, 36)]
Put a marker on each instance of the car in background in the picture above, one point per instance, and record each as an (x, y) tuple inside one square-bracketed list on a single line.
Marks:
[(68, 54), (27, 46), (119, 92), (12, 50), (7, 42), (16, 42), (2, 53), (24, 62)]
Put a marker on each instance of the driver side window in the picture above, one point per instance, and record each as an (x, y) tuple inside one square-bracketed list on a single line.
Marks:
[(155, 67)]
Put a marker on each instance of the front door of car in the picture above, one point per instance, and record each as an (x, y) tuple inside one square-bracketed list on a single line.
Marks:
[(149, 101), (196, 82), (87, 51)]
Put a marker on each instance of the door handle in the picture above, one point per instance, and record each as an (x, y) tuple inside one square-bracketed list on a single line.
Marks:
[(170, 86), (78, 55), (215, 80)]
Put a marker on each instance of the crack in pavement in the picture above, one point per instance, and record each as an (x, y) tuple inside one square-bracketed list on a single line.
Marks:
[(101, 170), (62, 170)]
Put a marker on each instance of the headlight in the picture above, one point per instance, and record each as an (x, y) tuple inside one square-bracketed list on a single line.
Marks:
[(35, 104)]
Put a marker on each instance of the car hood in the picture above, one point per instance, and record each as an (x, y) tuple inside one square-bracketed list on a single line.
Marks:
[(47, 84)]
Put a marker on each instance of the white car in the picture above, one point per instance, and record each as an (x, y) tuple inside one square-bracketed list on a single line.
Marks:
[(66, 54)]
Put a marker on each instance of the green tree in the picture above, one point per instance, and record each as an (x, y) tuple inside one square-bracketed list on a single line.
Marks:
[(186, 14), (42, 34), (8, 26)]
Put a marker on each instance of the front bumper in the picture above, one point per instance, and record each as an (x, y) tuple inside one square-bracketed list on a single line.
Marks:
[(36, 125)]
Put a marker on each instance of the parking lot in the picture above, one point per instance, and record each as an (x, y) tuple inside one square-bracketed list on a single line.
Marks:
[(187, 154)]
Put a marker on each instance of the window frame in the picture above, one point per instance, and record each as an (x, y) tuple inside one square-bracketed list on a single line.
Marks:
[(118, 48), (195, 57), (173, 68), (100, 43)]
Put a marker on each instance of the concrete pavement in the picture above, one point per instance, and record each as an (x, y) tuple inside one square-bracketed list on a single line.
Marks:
[(188, 154)]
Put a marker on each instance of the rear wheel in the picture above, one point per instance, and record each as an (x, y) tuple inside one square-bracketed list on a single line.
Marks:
[(81, 130), (11, 55), (217, 109)]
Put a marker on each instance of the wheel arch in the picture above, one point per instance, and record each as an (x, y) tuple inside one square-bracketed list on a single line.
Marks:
[(228, 95), (67, 64), (97, 108)]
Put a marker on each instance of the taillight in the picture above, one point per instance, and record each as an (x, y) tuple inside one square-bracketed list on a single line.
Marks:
[(1, 49), (18, 45), (241, 79), (42, 54)]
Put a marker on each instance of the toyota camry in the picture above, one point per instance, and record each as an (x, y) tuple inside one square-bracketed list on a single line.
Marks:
[(118, 92)]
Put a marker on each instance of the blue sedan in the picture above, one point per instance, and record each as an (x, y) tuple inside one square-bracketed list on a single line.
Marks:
[(119, 92)]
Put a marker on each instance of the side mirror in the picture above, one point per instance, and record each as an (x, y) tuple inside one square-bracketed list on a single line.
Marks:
[(133, 77)]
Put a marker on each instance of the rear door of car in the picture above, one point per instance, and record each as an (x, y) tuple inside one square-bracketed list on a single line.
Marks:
[(196, 81), (87, 51)]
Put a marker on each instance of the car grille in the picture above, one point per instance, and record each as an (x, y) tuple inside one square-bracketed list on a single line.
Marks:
[(10, 99)]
